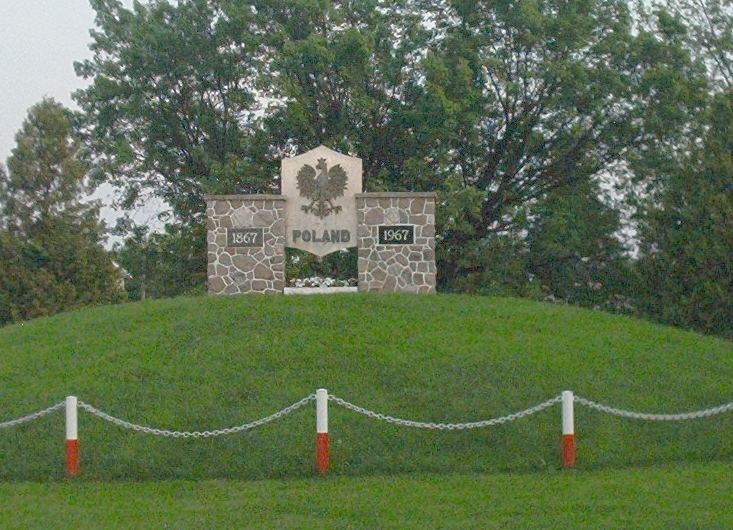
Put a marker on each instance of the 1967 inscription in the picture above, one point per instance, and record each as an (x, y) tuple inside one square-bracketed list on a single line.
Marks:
[(397, 235)]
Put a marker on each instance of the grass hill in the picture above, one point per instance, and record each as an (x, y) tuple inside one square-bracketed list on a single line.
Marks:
[(204, 363)]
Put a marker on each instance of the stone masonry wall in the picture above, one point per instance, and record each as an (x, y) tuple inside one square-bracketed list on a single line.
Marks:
[(237, 269), (403, 267)]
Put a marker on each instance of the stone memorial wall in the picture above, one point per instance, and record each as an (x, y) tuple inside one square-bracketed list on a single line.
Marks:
[(246, 243), (396, 234), (321, 210)]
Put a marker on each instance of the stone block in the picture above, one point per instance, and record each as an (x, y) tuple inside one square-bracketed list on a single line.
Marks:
[(417, 206), (419, 219), (259, 285), (232, 289), (244, 262), (375, 216), (392, 216), (221, 207), (263, 272), (278, 228), (264, 218)]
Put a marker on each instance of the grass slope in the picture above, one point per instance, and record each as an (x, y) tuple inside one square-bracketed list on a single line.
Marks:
[(691, 496), (202, 363)]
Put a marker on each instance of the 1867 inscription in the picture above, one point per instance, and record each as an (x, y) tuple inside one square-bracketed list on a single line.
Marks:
[(397, 235), (245, 237)]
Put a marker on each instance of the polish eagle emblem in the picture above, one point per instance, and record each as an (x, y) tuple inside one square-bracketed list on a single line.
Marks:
[(321, 186)]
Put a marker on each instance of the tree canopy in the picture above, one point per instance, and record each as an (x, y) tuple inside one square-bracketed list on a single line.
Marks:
[(541, 124), (51, 257)]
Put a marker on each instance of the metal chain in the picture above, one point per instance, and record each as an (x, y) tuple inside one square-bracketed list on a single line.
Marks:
[(197, 434), (445, 426), (31, 417), (375, 415), (655, 417)]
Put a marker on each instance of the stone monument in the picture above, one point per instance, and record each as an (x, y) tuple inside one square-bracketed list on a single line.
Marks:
[(321, 210), (320, 187)]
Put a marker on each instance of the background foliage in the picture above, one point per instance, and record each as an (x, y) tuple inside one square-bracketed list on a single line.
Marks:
[(580, 150), (51, 257)]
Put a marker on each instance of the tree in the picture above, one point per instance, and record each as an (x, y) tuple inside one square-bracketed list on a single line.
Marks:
[(45, 174), (175, 89), (565, 249), (171, 101), (51, 255), (171, 111), (345, 75), (495, 105), (686, 272), (162, 264), (709, 34), (574, 251), (537, 97)]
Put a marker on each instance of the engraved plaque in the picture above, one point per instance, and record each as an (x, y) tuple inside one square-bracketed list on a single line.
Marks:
[(396, 235), (245, 237)]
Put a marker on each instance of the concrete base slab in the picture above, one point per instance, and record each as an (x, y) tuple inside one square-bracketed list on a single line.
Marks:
[(320, 290)]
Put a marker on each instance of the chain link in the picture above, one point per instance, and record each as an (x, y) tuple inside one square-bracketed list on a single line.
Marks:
[(31, 417), (197, 434), (445, 426), (655, 417), (375, 415)]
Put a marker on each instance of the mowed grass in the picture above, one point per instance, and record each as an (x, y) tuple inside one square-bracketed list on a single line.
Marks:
[(210, 362), (690, 496)]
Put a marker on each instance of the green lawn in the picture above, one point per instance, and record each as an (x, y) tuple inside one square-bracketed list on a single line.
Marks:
[(202, 363), (689, 496)]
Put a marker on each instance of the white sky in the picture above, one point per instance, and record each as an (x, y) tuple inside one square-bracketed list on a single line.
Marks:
[(39, 42)]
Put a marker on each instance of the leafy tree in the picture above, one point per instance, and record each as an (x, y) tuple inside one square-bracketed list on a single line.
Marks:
[(170, 110), (171, 101), (708, 28), (536, 97), (346, 75), (574, 251), (686, 272), (565, 249), (498, 106), (173, 96), (45, 175), (51, 256), (163, 264)]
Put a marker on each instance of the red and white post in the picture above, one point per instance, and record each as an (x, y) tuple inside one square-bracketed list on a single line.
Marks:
[(322, 449), (72, 437), (568, 429)]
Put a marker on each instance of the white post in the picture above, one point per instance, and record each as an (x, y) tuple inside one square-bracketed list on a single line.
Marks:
[(72, 436), (321, 410), (568, 428), (322, 442)]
